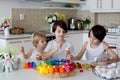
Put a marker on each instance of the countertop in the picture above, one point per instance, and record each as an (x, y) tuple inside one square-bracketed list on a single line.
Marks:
[(30, 74), (7, 37), (28, 35)]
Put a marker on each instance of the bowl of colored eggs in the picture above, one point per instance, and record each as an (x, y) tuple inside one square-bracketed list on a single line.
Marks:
[(57, 68)]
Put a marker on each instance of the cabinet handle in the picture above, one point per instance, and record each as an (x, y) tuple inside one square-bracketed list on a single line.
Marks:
[(101, 3), (112, 2), (97, 3), (16, 42)]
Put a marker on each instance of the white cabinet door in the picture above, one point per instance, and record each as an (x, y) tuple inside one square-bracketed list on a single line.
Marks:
[(85, 37), (119, 45), (27, 44), (112, 41), (76, 40), (105, 4), (17, 43), (116, 4), (93, 4)]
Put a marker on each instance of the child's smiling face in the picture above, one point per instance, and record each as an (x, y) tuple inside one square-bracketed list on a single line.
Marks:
[(59, 33)]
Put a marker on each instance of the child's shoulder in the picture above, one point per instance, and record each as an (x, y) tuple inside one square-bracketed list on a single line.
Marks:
[(51, 41), (104, 43)]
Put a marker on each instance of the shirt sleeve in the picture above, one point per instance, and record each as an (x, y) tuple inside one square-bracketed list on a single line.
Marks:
[(49, 46)]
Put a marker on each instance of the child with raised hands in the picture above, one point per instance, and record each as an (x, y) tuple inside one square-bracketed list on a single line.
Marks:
[(39, 42), (56, 49)]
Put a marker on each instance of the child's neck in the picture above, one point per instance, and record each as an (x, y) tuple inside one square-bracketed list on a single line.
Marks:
[(60, 40), (94, 45), (40, 49)]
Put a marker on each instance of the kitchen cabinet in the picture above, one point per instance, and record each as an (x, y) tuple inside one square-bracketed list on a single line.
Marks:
[(59, 1), (119, 46), (69, 1), (85, 37), (76, 40), (105, 6), (113, 40), (116, 4), (16, 41)]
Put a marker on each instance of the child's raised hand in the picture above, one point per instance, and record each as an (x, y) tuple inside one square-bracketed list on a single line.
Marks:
[(22, 49), (67, 53)]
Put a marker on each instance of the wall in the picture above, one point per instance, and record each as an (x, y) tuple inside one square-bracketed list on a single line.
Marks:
[(34, 19), (7, 5), (108, 19)]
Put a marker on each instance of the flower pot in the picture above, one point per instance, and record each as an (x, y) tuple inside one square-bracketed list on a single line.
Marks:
[(51, 26), (86, 26)]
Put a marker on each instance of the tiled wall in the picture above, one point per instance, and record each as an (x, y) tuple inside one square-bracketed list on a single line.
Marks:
[(34, 19), (108, 19)]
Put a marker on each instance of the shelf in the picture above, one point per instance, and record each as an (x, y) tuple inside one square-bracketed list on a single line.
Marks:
[(61, 8)]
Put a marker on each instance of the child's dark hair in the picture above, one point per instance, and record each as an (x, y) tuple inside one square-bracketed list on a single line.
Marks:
[(61, 24), (98, 31)]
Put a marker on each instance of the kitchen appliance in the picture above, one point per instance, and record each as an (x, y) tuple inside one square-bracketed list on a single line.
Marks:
[(78, 25), (71, 24)]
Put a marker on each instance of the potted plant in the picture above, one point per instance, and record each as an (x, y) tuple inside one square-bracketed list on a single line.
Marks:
[(51, 18), (86, 22)]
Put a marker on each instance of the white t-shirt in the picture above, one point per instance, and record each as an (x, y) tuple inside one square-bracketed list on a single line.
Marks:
[(60, 54), (33, 56), (94, 53)]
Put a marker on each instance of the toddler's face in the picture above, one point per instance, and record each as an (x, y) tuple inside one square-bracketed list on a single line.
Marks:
[(93, 39), (59, 33), (42, 42)]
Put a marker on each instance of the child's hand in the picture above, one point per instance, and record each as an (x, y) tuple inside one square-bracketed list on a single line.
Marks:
[(38, 57), (67, 51), (105, 59), (69, 57), (22, 49)]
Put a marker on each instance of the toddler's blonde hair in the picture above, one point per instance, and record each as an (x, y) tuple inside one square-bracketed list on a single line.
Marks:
[(36, 36)]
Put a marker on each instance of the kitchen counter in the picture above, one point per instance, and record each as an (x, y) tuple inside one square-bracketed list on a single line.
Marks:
[(86, 31), (28, 35), (30, 74), (19, 36)]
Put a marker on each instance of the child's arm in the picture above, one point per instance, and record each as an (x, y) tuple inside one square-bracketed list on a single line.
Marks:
[(47, 55), (27, 55), (110, 51), (113, 56), (80, 54)]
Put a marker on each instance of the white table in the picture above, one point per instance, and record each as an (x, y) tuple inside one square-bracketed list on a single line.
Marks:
[(30, 74)]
